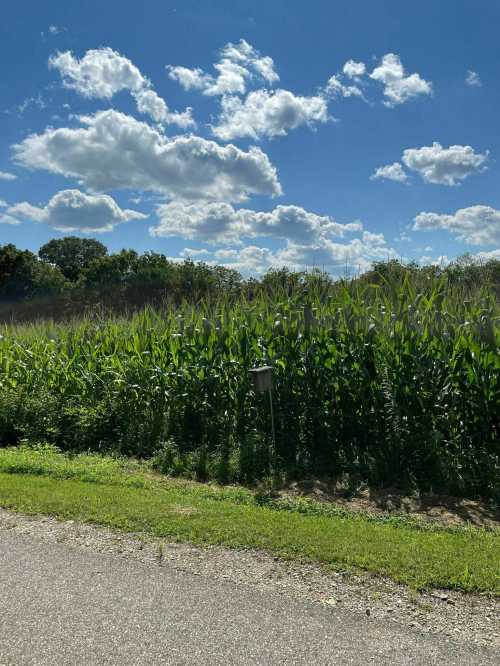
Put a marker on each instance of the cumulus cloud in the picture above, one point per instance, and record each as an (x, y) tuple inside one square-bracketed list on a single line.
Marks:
[(336, 88), (237, 65), (250, 260), (231, 79), (115, 151), (5, 175), (102, 73), (398, 86), (9, 219), (189, 252), (307, 239), (189, 79), (444, 166), (488, 256), (72, 210), (472, 79), (219, 222), (354, 69), (477, 225), (428, 260), (151, 104), (359, 252), (332, 256), (268, 113), (393, 171)]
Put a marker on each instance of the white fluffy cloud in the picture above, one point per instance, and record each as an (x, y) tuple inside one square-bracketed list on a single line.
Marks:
[(354, 69), (268, 113), (444, 166), (390, 172), (72, 210), (102, 73), (472, 79), (477, 225), (115, 151), (357, 254), (238, 64), (219, 222), (250, 260), (334, 257), (151, 104), (8, 219), (5, 175), (441, 261), (336, 88), (488, 256), (189, 252), (190, 79), (398, 86), (307, 239)]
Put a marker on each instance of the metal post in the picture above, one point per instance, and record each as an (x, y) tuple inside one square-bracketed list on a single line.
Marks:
[(272, 423), (262, 380)]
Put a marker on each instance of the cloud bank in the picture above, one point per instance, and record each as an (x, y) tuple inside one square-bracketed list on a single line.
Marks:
[(115, 151)]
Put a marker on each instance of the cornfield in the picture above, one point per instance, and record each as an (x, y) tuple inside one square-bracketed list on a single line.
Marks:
[(383, 384)]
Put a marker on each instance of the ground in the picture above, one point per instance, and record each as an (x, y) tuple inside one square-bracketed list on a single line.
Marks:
[(213, 605), (445, 510)]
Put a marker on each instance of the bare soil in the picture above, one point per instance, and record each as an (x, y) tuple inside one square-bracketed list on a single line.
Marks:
[(445, 510)]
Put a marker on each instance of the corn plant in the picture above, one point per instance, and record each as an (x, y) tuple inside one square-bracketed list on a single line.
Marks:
[(387, 384)]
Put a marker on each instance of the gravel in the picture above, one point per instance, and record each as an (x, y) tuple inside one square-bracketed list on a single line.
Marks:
[(473, 619)]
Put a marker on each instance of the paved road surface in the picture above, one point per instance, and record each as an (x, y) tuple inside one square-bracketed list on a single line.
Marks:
[(62, 605)]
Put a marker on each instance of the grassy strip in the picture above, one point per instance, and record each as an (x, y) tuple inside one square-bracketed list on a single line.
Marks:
[(122, 495)]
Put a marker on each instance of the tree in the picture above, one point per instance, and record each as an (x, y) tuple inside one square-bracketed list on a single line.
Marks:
[(23, 275), (72, 255), (110, 270)]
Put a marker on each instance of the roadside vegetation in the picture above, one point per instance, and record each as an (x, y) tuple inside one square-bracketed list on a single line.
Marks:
[(133, 371), (392, 378), (126, 495)]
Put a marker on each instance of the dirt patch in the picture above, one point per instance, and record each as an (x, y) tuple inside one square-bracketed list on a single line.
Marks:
[(442, 509)]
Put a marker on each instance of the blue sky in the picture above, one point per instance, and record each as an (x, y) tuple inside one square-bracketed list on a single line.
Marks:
[(253, 134)]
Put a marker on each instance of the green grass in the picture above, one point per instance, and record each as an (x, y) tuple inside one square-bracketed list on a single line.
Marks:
[(125, 495)]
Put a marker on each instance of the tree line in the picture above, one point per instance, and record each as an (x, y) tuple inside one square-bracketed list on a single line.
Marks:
[(70, 275)]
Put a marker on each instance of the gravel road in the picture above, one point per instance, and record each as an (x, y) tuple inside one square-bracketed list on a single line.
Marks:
[(61, 603)]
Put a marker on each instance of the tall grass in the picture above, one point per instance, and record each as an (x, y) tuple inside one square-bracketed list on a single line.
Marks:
[(378, 381)]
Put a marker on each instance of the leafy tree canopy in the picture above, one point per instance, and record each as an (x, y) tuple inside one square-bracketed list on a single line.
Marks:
[(72, 255), (23, 275)]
